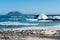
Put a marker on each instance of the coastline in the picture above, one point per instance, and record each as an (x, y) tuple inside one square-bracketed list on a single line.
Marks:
[(34, 28), (31, 34)]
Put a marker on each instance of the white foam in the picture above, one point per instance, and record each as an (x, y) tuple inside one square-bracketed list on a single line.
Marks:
[(56, 17), (42, 16), (31, 19), (17, 23), (34, 28)]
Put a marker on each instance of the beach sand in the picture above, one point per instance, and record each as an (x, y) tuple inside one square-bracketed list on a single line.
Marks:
[(36, 38)]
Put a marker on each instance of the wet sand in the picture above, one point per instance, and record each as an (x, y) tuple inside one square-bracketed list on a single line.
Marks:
[(36, 38)]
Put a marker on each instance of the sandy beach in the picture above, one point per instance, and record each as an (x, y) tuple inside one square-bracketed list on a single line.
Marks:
[(36, 38), (30, 35)]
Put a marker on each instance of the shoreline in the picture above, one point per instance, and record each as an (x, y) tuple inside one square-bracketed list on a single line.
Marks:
[(33, 28), (31, 34)]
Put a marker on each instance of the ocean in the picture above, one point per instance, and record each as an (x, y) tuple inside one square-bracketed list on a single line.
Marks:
[(21, 21)]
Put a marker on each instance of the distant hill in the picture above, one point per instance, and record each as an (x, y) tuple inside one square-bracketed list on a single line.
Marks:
[(14, 13)]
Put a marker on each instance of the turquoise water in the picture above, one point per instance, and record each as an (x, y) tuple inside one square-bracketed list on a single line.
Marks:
[(22, 19)]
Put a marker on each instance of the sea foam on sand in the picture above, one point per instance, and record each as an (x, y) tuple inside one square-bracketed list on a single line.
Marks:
[(35, 28)]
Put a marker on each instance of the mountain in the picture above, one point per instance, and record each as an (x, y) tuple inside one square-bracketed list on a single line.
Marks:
[(15, 13)]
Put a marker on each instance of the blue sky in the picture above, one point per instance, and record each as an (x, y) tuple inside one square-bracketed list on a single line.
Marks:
[(30, 6)]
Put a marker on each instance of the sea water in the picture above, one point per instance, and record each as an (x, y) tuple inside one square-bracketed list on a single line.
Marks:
[(23, 20)]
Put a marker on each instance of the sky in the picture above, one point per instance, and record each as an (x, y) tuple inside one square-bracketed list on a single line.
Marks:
[(30, 6)]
